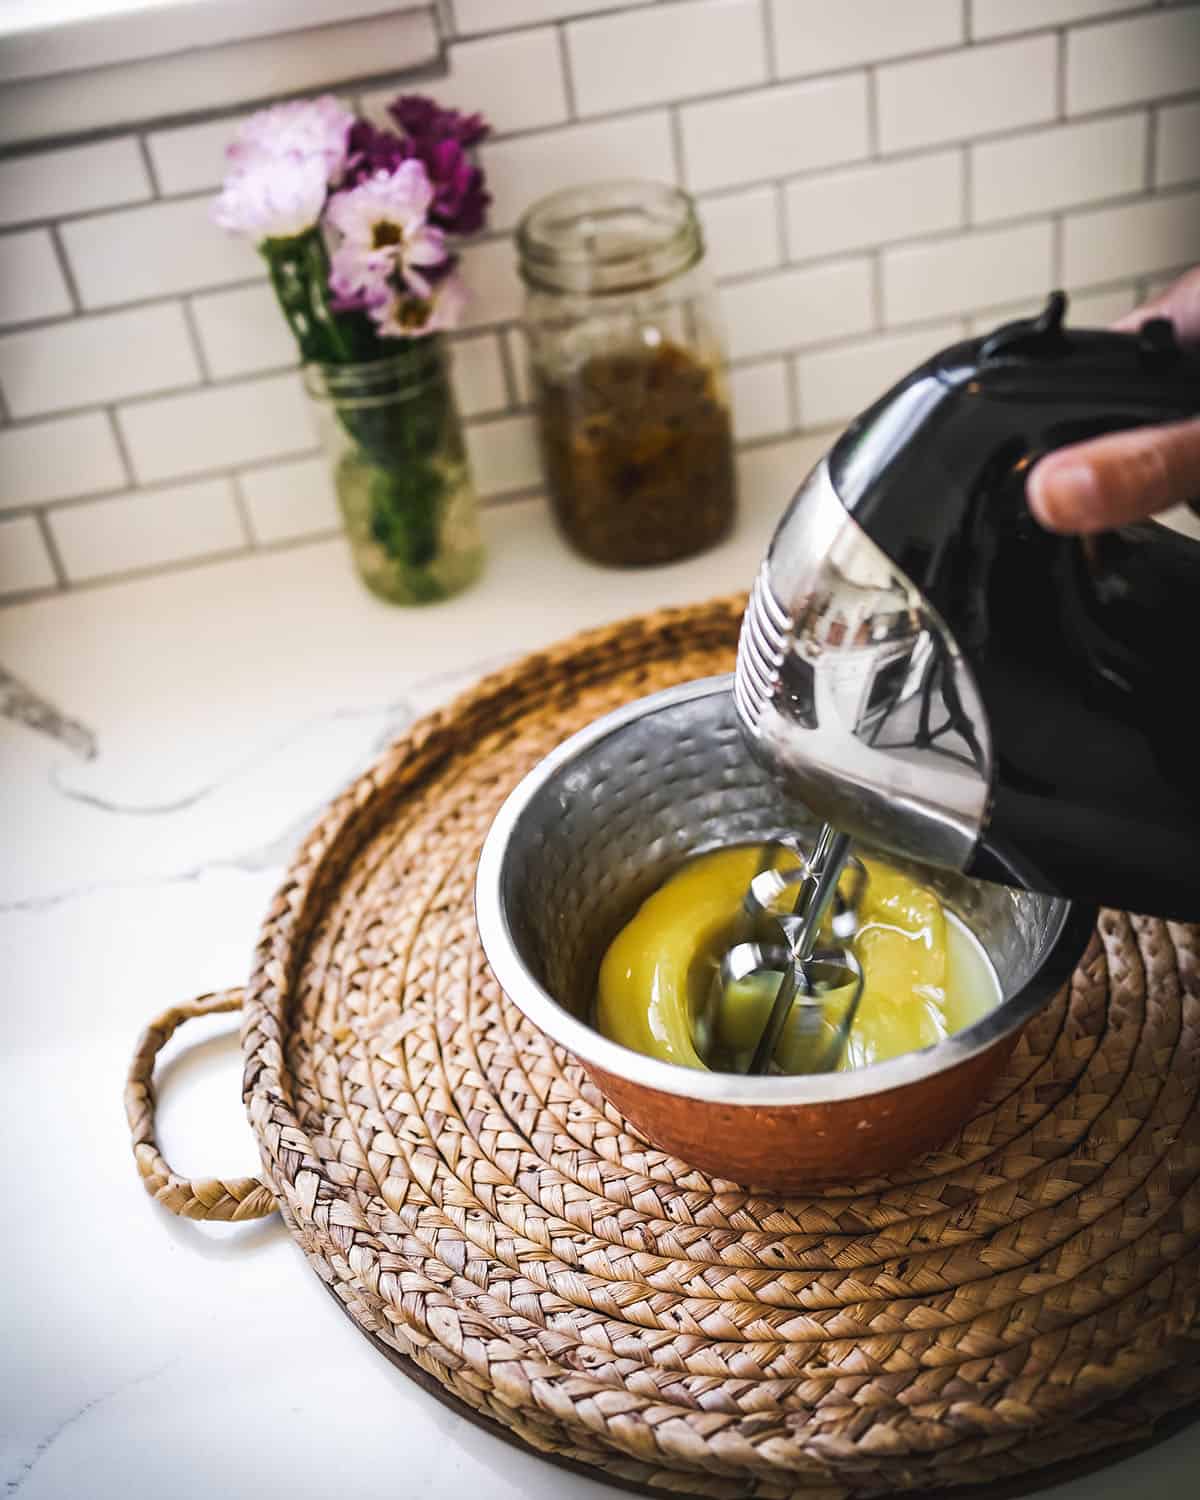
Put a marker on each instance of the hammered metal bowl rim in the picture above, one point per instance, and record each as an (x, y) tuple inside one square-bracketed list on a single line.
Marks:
[(544, 1011)]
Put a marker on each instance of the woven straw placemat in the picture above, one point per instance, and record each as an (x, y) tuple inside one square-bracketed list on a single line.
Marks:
[(1024, 1297)]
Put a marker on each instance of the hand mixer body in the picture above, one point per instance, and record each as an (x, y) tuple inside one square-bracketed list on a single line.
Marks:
[(934, 673)]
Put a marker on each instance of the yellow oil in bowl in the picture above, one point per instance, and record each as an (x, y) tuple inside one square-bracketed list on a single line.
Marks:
[(925, 975)]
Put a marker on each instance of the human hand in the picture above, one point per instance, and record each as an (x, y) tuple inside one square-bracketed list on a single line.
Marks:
[(1126, 476)]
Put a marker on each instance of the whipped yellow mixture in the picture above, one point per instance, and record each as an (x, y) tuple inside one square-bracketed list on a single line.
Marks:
[(924, 976)]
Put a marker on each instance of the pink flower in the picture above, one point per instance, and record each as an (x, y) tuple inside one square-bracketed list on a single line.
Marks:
[(273, 199), (409, 315), (384, 234), (304, 127)]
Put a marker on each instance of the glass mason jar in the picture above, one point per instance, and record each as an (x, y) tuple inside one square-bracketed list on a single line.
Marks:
[(628, 372), (393, 436)]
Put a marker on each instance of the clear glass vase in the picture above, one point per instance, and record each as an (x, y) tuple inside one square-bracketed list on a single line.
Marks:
[(393, 436)]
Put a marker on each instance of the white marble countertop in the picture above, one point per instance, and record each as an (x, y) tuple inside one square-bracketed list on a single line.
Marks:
[(145, 1356)]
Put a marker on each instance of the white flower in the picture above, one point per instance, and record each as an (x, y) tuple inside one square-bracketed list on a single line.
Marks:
[(304, 127), (273, 199), (383, 231), (408, 315)]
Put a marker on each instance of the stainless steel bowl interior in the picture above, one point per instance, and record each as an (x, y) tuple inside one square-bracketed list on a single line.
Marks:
[(590, 832)]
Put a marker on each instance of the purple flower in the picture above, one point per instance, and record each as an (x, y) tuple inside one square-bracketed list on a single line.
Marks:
[(384, 236), (438, 138), (273, 199), (303, 127), (371, 150), (420, 119)]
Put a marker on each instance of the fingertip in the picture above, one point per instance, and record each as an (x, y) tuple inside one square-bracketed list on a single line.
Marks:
[(1063, 494)]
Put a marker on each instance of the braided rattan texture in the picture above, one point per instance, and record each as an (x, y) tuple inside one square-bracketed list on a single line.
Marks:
[(1024, 1296)]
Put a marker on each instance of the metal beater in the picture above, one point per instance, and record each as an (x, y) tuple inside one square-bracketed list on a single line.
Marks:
[(797, 900)]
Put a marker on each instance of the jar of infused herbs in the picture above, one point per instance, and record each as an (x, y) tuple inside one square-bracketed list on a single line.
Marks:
[(628, 372)]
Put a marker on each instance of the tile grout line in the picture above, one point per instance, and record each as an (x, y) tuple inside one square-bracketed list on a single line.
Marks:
[(564, 60), (122, 448), (197, 343), (42, 521), (966, 208), (65, 269), (1060, 74), (143, 144), (791, 375), (243, 510), (872, 90), (770, 41), (1152, 123), (678, 158), (508, 369), (876, 272)]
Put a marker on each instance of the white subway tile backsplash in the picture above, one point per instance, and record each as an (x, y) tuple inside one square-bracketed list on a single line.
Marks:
[(832, 193), (499, 15), (666, 52), (761, 403), (836, 384), (516, 82), (287, 501), (1124, 62), (243, 331), (146, 528), (478, 375), (83, 361), (741, 231), (1134, 239), (57, 460), (774, 132), (503, 455), (191, 158), (873, 204), (31, 283), (48, 184), (816, 36), (490, 272), (945, 277), (522, 170), (24, 562), (772, 314), (222, 426), (517, 346), (967, 93), (154, 251), (1001, 17), (1100, 308), (1066, 164), (1177, 153)]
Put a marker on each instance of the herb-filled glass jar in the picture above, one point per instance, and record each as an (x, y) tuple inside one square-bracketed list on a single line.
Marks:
[(628, 372)]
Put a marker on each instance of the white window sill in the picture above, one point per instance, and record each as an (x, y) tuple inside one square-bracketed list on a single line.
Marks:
[(72, 67)]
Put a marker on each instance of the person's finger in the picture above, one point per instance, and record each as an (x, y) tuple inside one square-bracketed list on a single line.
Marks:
[(1180, 302), (1112, 480)]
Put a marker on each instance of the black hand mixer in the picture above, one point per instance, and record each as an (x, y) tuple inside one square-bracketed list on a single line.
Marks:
[(932, 672)]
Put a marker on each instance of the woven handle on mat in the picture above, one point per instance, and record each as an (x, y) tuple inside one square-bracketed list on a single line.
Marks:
[(237, 1198)]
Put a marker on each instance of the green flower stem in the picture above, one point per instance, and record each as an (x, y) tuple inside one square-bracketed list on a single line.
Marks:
[(284, 263)]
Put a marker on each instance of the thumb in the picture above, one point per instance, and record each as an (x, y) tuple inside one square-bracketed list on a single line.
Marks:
[(1112, 480)]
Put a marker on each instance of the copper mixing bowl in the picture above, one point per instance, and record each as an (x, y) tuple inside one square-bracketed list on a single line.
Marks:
[(602, 821)]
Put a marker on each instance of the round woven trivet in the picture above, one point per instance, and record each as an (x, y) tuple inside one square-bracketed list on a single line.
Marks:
[(1025, 1296)]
